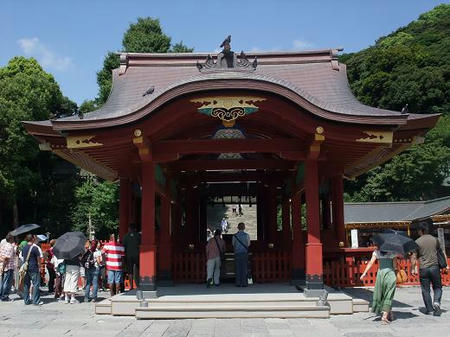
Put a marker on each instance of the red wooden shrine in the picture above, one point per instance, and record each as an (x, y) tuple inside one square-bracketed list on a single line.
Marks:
[(179, 130)]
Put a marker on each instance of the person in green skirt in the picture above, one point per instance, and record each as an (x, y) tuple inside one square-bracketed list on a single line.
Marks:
[(385, 283)]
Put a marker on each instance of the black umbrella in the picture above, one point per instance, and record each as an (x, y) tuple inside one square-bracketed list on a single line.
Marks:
[(69, 245), (24, 229), (394, 243)]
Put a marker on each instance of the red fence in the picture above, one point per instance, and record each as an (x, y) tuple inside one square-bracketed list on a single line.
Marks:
[(189, 267), (346, 273), (265, 266), (271, 267)]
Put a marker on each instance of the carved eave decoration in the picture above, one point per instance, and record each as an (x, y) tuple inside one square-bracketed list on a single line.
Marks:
[(228, 108), (227, 60)]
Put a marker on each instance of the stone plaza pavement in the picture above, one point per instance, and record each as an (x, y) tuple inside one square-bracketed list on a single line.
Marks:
[(58, 319)]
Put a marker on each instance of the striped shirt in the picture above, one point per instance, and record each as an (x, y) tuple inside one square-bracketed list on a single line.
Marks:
[(114, 252)]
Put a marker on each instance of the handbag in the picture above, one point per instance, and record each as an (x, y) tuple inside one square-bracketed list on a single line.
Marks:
[(23, 269), (401, 276), (442, 261)]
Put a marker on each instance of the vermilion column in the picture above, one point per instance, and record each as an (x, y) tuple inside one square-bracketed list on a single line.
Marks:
[(147, 270), (272, 223), (124, 207), (286, 216), (314, 262), (338, 207), (165, 245), (298, 244)]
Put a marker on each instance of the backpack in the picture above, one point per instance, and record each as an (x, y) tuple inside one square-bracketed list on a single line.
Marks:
[(88, 260)]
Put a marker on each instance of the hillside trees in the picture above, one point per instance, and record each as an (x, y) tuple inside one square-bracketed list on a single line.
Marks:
[(410, 66)]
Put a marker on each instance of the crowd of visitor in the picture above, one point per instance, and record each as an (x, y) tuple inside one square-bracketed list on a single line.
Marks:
[(20, 268), (24, 267)]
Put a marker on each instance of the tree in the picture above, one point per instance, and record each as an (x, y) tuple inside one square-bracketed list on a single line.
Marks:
[(96, 204), (144, 36), (27, 92), (410, 66)]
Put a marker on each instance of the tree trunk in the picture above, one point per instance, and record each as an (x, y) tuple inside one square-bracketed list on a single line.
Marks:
[(15, 214)]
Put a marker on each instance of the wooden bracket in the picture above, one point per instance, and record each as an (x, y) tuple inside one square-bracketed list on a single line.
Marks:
[(143, 145), (314, 147)]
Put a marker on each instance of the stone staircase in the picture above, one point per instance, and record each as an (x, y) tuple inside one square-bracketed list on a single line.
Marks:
[(230, 305)]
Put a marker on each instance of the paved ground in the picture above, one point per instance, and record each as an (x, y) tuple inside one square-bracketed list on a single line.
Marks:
[(57, 319)]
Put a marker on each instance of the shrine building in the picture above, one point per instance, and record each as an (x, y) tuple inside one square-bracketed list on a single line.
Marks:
[(273, 130)]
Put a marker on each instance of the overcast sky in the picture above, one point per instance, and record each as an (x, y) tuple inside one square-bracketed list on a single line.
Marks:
[(70, 38)]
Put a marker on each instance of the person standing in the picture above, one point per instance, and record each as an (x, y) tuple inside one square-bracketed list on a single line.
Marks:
[(71, 276), (224, 225), (241, 242), (32, 256), (114, 253), (429, 272), (7, 256), (385, 283), (131, 243), (215, 248), (92, 269), (51, 267)]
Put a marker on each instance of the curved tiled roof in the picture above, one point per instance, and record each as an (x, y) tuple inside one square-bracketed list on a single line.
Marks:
[(320, 80), (371, 212)]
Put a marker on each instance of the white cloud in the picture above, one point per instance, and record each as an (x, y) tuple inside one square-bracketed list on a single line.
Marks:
[(301, 45), (33, 47)]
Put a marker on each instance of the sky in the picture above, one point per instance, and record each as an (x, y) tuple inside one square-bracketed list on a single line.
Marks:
[(71, 38)]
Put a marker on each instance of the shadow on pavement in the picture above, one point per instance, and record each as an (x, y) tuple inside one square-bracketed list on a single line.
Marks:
[(367, 294)]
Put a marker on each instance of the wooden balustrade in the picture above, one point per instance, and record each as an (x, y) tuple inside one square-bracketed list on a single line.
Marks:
[(346, 273)]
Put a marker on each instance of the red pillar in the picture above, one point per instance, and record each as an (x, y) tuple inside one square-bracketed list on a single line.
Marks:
[(124, 207), (165, 245), (147, 270), (314, 262), (298, 244), (338, 207), (286, 216), (272, 223)]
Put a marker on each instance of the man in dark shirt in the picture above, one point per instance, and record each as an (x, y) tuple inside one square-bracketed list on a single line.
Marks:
[(428, 268), (131, 242), (32, 276)]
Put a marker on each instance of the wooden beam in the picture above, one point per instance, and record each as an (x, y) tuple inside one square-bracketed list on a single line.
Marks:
[(229, 146), (231, 164), (209, 177)]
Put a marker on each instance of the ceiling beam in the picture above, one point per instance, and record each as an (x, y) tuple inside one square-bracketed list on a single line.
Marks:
[(281, 145), (231, 164)]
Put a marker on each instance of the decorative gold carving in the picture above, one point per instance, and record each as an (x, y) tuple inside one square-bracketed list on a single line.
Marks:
[(319, 130), (380, 137), (80, 142), (228, 108)]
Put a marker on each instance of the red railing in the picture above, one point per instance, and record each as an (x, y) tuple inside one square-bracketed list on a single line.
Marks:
[(346, 273), (271, 267), (189, 267), (265, 266)]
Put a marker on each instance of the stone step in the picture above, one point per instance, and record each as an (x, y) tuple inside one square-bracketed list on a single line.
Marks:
[(360, 305), (103, 307), (229, 311)]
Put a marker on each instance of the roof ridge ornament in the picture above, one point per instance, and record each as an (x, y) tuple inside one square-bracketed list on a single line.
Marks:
[(227, 60)]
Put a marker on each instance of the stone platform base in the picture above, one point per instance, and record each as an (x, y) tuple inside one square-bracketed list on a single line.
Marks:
[(227, 301)]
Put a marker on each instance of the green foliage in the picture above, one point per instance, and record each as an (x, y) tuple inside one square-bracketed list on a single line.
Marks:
[(104, 76), (28, 181), (98, 201), (26, 93), (88, 106), (410, 66), (144, 36), (181, 48)]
